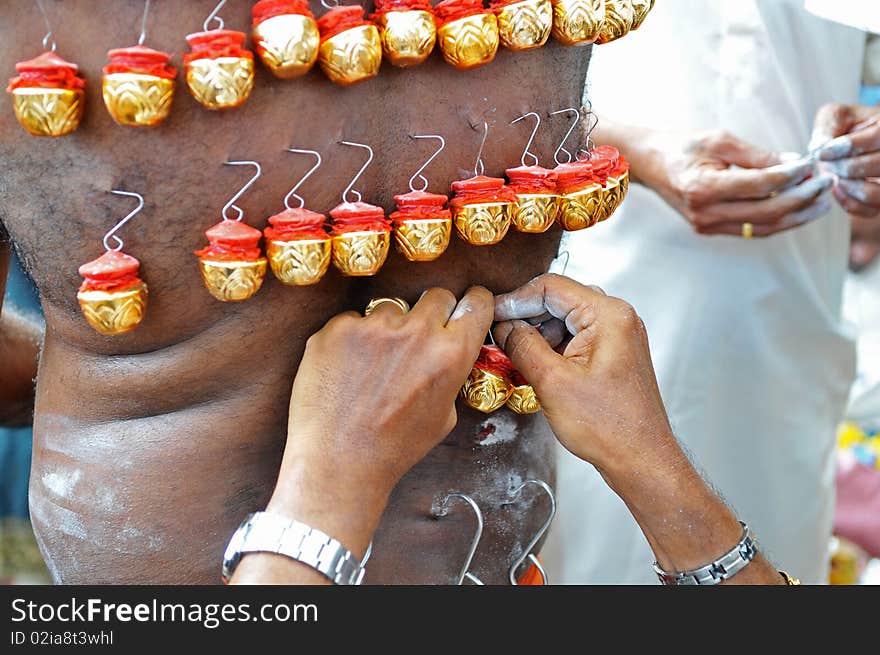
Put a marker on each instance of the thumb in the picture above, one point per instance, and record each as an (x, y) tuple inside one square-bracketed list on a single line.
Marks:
[(737, 152), (529, 351)]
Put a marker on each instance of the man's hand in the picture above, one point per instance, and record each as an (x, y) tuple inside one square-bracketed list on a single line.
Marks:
[(600, 395), (695, 174), (598, 388), (847, 139)]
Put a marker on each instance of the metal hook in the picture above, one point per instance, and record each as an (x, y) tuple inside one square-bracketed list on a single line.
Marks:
[(418, 173), (329, 5), (49, 35), (526, 152), (593, 124), (480, 167), (561, 148), (231, 204), (350, 188), (112, 232), (442, 510), (527, 552), (213, 16), (567, 259), (292, 193), (143, 36)]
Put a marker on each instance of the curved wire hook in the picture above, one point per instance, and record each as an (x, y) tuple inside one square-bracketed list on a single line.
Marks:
[(562, 148), (479, 166), (329, 5), (441, 510), (593, 124), (112, 232), (526, 152), (527, 552), (418, 173), (350, 188), (143, 35), (231, 204), (213, 16), (292, 193), (49, 38)]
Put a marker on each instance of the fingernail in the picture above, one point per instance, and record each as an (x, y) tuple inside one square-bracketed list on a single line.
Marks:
[(854, 189), (836, 148)]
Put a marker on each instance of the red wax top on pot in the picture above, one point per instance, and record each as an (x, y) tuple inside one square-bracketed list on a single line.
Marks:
[(575, 176), (384, 6), (451, 10), (266, 9), (494, 360), (232, 241), (215, 44), (532, 179), (48, 71), (142, 60), (604, 160), (340, 19), (481, 189), (419, 205), (112, 271), (297, 224), (359, 217)]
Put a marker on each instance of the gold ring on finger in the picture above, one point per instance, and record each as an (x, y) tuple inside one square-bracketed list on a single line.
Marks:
[(400, 303)]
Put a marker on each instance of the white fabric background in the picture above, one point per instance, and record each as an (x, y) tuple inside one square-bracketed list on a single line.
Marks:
[(752, 358)]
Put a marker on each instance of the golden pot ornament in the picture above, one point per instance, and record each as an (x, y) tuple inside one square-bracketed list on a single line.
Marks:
[(48, 95), (578, 22), (613, 171), (522, 399), (361, 238), (488, 386), (641, 8), (481, 209), (298, 246), (138, 86), (407, 30), (112, 297), (619, 17), (422, 225), (537, 203), (285, 36), (232, 265), (219, 70), (467, 32), (523, 24), (350, 50)]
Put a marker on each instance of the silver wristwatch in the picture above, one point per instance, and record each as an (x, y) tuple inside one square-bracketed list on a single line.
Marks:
[(262, 532), (726, 566)]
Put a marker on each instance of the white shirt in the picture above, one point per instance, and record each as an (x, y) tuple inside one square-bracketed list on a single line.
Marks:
[(752, 358)]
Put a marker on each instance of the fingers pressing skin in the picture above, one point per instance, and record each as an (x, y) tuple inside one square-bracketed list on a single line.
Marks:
[(760, 230), (554, 294), (435, 306), (472, 317)]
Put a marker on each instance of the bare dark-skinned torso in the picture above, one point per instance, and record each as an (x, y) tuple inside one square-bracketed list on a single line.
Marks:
[(151, 447)]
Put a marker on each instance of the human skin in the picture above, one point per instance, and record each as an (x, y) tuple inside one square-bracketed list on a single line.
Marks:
[(717, 182), (151, 447), (20, 340), (847, 138), (597, 388)]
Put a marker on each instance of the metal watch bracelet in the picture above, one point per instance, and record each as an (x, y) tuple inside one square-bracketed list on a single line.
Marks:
[(263, 532), (723, 568)]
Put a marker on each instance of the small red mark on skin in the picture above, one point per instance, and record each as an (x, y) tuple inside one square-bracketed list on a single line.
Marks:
[(485, 433)]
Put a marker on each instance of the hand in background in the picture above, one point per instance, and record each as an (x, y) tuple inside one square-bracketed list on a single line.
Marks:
[(847, 139), (718, 182)]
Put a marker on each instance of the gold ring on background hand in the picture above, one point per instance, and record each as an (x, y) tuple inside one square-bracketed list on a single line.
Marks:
[(400, 303), (748, 231)]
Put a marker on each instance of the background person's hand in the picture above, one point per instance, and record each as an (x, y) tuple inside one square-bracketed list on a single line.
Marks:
[(847, 143), (598, 388), (718, 182), (371, 397)]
